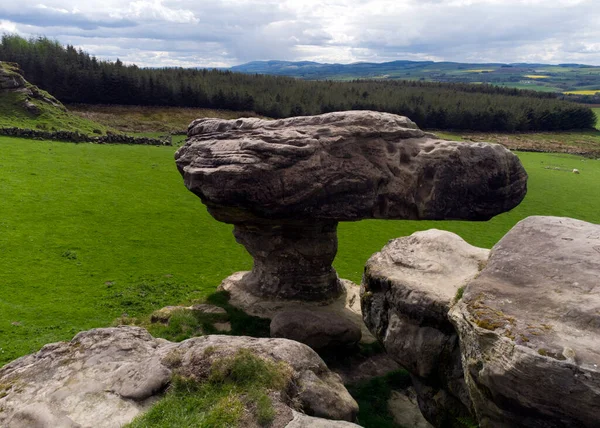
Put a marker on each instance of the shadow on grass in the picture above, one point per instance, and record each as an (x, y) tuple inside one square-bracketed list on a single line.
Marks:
[(372, 397)]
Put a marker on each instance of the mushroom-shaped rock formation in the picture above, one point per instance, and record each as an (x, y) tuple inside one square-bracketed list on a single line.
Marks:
[(285, 184)]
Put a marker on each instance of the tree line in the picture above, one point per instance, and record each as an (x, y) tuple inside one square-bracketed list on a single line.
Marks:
[(74, 76)]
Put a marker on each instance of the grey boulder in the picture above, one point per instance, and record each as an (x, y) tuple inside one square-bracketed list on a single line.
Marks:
[(300, 420), (407, 290), (344, 166), (105, 377), (317, 329), (529, 327)]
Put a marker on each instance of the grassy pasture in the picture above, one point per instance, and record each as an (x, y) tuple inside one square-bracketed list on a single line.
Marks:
[(597, 112), (152, 121), (573, 142), (91, 232)]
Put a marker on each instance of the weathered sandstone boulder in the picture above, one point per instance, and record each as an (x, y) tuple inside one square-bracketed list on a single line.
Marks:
[(105, 377), (317, 329), (300, 420), (529, 327), (347, 305), (285, 184), (404, 408), (407, 290)]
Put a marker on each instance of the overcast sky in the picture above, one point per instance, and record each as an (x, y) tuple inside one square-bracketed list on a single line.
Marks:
[(220, 33)]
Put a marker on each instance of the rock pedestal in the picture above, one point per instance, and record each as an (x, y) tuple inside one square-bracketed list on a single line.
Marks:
[(286, 183), (346, 306), (291, 261)]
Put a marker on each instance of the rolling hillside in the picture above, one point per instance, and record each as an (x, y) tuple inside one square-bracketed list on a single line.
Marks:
[(578, 78)]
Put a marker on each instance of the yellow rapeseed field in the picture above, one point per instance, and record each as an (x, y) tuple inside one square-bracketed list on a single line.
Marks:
[(583, 92)]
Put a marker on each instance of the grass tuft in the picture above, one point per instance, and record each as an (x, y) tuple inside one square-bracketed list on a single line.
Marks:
[(459, 294), (247, 370), (237, 385)]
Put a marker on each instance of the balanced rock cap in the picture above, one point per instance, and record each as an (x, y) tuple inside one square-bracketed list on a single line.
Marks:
[(344, 166)]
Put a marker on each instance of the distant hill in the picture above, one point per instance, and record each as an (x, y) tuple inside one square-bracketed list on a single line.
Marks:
[(540, 77)]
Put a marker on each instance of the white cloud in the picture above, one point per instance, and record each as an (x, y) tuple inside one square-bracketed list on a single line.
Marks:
[(54, 9), (227, 32), (155, 10), (8, 27)]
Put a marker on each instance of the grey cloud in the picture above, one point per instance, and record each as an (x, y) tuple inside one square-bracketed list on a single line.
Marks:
[(235, 31), (53, 18)]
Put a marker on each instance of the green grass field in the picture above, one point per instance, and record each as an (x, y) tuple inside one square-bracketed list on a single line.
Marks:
[(597, 112), (50, 118), (90, 232)]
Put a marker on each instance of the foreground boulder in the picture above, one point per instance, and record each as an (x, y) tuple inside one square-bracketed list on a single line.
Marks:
[(285, 185), (408, 289), (318, 329), (106, 377), (529, 327)]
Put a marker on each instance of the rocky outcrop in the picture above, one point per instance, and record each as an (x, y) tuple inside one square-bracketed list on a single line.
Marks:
[(518, 346), (11, 76), (408, 289), (105, 377), (320, 330), (529, 327), (11, 79), (285, 184)]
